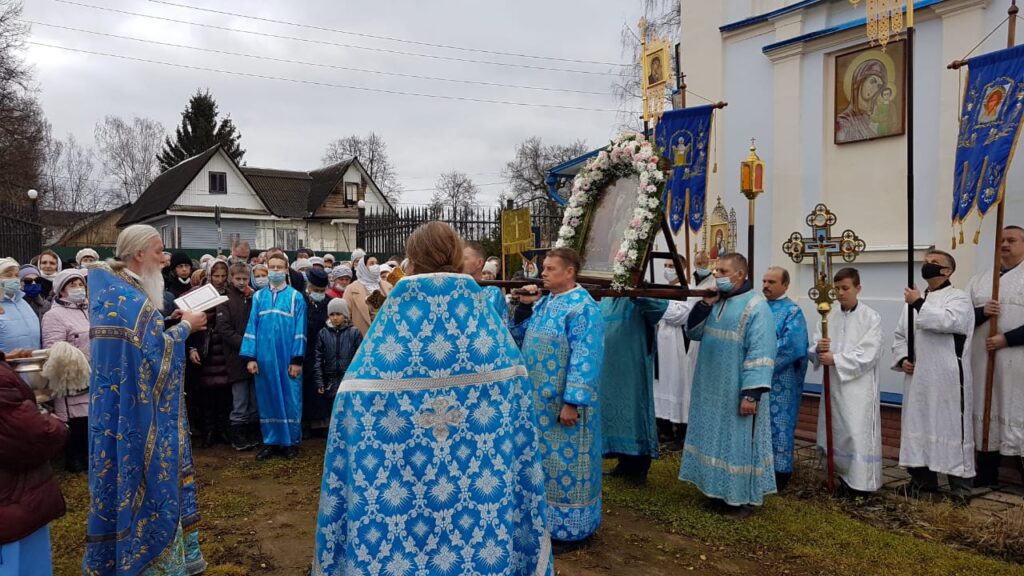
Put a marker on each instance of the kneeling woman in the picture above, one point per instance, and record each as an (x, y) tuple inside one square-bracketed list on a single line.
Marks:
[(433, 461)]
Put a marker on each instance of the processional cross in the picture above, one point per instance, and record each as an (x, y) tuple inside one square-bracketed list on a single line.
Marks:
[(822, 247)]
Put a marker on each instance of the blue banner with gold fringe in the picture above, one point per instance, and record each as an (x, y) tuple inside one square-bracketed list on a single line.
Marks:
[(683, 136), (989, 126)]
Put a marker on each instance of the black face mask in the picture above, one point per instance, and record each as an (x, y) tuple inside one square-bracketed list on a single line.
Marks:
[(930, 270)]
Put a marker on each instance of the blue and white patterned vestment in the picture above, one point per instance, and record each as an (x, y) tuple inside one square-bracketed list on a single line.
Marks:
[(276, 337), (563, 343), (498, 301), (143, 511), (788, 379), (433, 463), (729, 456)]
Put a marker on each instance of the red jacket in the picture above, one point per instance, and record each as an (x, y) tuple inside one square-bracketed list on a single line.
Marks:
[(29, 495)]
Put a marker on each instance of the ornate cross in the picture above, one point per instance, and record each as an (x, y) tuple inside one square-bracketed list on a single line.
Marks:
[(822, 247)]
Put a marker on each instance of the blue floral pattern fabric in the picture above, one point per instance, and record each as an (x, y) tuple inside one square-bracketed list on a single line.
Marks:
[(433, 463), (728, 456), (563, 342), (787, 379), (498, 301), (141, 479)]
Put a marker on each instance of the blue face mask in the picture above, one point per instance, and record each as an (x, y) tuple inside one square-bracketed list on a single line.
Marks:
[(261, 282), (702, 272), (12, 286), (317, 296), (277, 277), (724, 285), (33, 290)]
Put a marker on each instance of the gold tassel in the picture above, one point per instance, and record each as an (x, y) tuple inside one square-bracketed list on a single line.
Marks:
[(714, 136), (977, 235), (961, 234), (954, 242)]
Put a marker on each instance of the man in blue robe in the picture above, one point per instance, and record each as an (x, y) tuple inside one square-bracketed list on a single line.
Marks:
[(473, 264), (728, 452), (143, 512), (628, 427), (274, 348), (433, 463), (562, 336), (790, 369)]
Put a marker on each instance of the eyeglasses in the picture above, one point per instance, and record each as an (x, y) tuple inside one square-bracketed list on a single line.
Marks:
[(28, 281)]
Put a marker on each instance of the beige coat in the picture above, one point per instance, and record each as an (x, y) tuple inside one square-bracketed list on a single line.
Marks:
[(355, 296)]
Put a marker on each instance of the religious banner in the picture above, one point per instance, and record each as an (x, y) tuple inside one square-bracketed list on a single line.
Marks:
[(516, 233), (989, 127), (683, 137)]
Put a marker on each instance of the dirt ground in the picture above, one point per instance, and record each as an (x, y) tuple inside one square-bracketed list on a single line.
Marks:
[(259, 518)]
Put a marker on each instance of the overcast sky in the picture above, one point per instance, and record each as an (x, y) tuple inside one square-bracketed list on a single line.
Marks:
[(287, 125)]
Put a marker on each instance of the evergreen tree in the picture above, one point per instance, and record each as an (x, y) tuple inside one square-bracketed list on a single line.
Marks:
[(199, 130)]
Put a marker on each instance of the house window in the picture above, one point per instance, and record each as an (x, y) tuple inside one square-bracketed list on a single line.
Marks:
[(166, 237), (351, 191), (287, 239), (218, 183)]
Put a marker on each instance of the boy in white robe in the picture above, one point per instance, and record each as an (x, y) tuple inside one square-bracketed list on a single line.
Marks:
[(672, 384), (851, 355), (936, 434), (1006, 433)]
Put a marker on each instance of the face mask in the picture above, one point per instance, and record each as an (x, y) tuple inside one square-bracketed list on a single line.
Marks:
[(317, 296), (185, 280), (670, 275), (702, 272), (76, 295), (724, 285), (33, 290), (12, 286), (261, 282), (375, 271), (277, 277), (930, 270)]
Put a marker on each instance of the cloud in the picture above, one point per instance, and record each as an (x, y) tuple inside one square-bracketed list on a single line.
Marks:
[(288, 125)]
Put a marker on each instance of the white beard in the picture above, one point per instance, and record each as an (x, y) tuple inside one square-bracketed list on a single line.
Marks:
[(153, 286)]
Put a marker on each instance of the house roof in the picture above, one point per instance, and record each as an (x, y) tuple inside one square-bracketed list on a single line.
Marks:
[(324, 180), (285, 192), (166, 188), (83, 224)]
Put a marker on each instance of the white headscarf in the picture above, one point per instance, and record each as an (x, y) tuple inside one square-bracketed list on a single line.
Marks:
[(369, 276)]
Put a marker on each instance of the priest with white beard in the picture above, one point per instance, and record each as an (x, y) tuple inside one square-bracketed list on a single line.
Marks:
[(673, 381), (936, 434), (1006, 435), (851, 356)]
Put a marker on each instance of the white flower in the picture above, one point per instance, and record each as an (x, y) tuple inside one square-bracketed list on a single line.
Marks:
[(560, 243), (566, 232), (632, 254)]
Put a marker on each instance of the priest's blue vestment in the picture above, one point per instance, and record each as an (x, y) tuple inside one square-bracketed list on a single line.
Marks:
[(729, 456), (433, 463), (143, 512), (563, 342), (275, 338), (787, 379), (498, 301), (627, 376)]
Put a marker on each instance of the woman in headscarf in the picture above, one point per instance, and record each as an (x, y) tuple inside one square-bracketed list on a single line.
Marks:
[(209, 364), (854, 122), (68, 321), (340, 279), (366, 295)]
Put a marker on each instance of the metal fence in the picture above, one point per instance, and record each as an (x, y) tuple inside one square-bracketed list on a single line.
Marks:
[(384, 233), (21, 235)]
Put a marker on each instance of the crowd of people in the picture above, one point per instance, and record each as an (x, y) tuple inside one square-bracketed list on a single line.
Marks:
[(466, 425)]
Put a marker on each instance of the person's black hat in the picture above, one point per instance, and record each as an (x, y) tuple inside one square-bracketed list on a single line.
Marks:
[(179, 258), (317, 277)]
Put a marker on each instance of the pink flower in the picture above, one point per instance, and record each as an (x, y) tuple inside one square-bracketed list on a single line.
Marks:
[(636, 222), (620, 257)]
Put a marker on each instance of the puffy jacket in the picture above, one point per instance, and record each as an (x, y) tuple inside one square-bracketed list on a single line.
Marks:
[(232, 318), (335, 348), (68, 322), (29, 496), (214, 368), (19, 325)]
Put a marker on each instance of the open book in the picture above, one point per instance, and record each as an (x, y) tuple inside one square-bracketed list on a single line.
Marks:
[(200, 299)]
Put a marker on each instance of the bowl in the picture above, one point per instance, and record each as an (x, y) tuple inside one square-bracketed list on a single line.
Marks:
[(30, 369)]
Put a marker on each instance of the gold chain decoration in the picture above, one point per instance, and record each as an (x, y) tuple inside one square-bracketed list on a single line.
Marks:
[(885, 18)]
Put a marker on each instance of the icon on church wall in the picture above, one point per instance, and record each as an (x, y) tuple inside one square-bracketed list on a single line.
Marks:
[(870, 93)]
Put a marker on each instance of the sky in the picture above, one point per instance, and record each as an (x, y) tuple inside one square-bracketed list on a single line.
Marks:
[(287, 124)]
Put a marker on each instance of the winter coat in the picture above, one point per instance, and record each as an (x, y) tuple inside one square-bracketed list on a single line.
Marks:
[(29, 495), (335, 347), (213, 371), (355, 296), (19, 326), (232, 318), (68, 322), (39, 305)]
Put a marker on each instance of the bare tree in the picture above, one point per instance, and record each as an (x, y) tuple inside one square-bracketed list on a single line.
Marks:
[(372, 152), (454, 191), (22, 124), (128, 152), (663, 20), (526, 174), (68, 179)]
